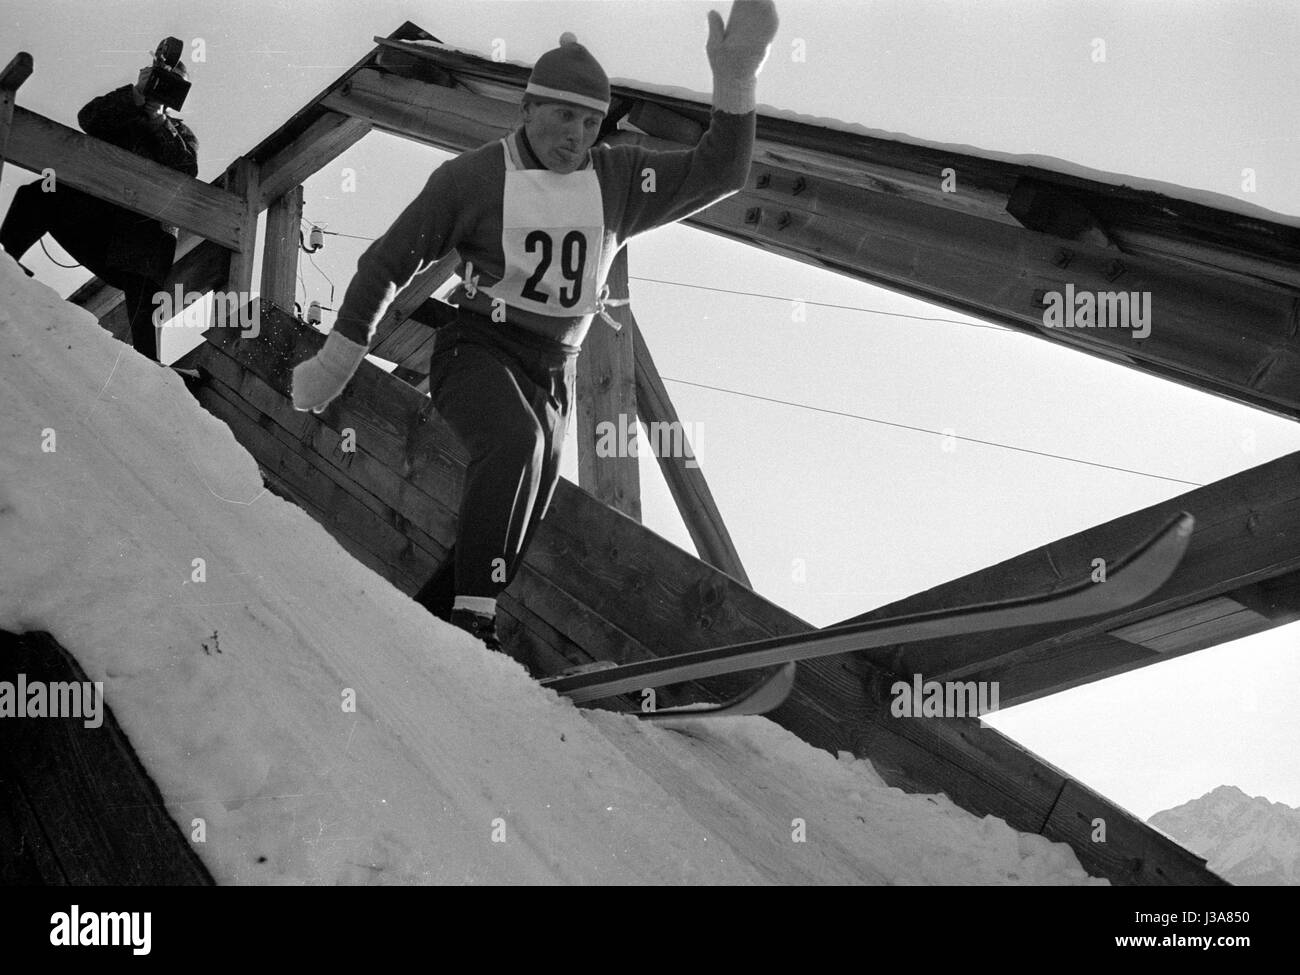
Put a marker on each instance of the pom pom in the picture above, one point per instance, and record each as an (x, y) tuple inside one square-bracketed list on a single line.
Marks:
[(568, 37)]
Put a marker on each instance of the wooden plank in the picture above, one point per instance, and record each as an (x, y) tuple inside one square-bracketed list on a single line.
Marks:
[(1182, 631), (410, 299), (429, 522), (280, 253), (123, 178), (1085, 658), (410, 346), (77, 800), (18, 70), (607, 411), (1226, 337), (928, 245), (324, 140), (684, 476), (371, 484), (449, 118), (1194, 616), (1131, 852), (907, 170), (1244, 535), (338, 510), (241, 179)]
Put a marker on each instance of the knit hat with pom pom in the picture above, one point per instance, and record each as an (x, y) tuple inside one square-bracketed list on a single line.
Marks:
[(570, 74)]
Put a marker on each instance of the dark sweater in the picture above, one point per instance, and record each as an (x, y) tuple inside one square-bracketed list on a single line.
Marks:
[(460, 208), (117, 119)]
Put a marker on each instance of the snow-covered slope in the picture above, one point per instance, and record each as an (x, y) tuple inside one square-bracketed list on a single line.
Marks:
[(232, 681), (1247, 840)]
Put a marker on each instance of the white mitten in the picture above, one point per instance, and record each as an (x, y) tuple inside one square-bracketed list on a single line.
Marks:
[(737, 52), (323, 376)]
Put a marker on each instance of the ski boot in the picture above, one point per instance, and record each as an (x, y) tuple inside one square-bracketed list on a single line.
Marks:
[(478, 626)]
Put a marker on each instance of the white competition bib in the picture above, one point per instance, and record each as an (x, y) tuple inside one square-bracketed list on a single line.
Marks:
[(552, 235)]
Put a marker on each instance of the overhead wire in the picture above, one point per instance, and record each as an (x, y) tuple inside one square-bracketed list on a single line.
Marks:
[(857, 416), (938, 433)]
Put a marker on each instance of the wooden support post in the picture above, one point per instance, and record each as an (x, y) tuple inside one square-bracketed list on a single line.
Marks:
[(280, 252), (607, 406), (241, 180), (685, 479), (16, 72)]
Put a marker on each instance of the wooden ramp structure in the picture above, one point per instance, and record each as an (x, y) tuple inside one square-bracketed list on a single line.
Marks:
[(76, 806), (382, 473)]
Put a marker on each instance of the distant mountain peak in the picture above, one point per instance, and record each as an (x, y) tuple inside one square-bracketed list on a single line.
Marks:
[(1245, 839), (1228, 791)]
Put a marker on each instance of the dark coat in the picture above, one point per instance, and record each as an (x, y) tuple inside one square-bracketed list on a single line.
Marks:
[(135, 242)]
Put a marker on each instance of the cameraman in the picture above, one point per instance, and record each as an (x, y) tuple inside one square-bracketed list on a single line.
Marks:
[(125, 249)]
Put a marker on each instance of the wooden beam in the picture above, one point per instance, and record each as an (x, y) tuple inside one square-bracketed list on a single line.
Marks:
[(607, 411), (77, 807), (448, 118), (1139, 220), (411, 298), (1132, 853), (410, 346), (280, 253), (18, 70), (1216, 620), (684, 476), (324, 140), (1246, 527), (241, 180), (877, 210), (1218, 333), (123, 178)]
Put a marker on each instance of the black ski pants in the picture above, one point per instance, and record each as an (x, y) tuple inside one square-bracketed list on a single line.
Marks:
[(508, 394)]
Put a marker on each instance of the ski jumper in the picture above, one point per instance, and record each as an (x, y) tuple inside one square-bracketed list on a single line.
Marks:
[(536, 246)]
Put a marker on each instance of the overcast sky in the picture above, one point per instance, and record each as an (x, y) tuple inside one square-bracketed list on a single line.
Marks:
[(1192, 93)]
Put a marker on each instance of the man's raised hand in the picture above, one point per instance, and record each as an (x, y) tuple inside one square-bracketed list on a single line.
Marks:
[(737, 51)]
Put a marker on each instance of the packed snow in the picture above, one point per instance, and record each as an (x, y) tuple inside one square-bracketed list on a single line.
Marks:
[(231, 675)]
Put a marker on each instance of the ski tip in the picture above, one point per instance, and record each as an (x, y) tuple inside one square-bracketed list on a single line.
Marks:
[(1186, 522)]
